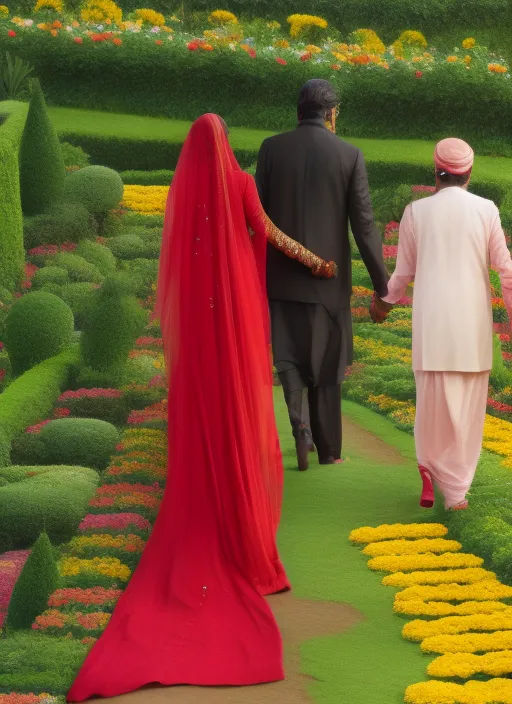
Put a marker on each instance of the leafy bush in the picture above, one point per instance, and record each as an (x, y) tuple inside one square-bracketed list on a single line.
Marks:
[(33, 662), (74, 157), (5, 449), (12, 254), (38, 327), (112, 324), (98, 255), (42, 171), (105, 404), (54, 500), (68, 441), (389, 203), (78, 296), (127, 246), (163, 177), (78, 268), (50, 275), (38, 579), (360, 275), (99, 189), (501, 376), (64, 222), (30, 397), (142, 274)]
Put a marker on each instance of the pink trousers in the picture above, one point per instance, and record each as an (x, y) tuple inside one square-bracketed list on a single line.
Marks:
[(450, 415)]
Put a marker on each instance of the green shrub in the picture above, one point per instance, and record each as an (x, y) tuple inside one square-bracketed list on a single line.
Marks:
[(38, 579), (142, 274), (78, 268), (74, 157), (105, 404), (68, 441), (42, 171), (78, 296), (38, 327), (389, 203), (127, 246), (98, 188), (113, 322), (147, 221), (12, 255), (500, 376), (360, 275), (5, 449), (163, 177), (30, 397), (98, 255), (64, 222), (53, 500), (33, 662), (50, 275)]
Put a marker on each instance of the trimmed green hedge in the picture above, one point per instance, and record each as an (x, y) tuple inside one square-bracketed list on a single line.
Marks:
[(52, 499), (12, 122), (168, 80), (163, 177), (30, 398)]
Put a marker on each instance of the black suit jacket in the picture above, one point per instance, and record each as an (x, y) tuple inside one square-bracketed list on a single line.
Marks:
[(311, 184)]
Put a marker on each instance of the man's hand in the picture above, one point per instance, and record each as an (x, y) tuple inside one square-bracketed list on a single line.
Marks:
[(379, 309)]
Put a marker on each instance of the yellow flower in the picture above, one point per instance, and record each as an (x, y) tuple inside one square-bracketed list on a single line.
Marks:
[(274, 25), (312, 49), (48, 5), (222, 17), (450, 577), (469, 43), (107, 566), (302, 23), (468, 643), (365, 348), (487, 590), (282, 44), (411, 547), (418, 607), (146, 199), (495, 691), (497, 68), (369, 41), (467, 60), (466, 665), (419, 629), (414, 39), (4, 10), (428, 561), (97, 11), (451, 59), (150, 17), (398, 530)]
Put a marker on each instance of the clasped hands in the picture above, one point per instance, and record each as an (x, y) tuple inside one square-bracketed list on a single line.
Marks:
[(379, 309)]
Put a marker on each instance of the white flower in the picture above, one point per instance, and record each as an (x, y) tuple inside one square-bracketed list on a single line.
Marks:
[(28, 23)]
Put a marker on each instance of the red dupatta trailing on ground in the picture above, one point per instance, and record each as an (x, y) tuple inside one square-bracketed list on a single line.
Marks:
[(193, 612)]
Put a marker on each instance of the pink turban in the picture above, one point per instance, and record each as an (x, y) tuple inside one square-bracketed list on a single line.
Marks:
[(454, 156)]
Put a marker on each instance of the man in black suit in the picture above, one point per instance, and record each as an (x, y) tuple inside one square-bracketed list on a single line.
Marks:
[(311, 185)]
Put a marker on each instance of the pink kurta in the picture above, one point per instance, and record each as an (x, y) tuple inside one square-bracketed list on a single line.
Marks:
[(447, 243)]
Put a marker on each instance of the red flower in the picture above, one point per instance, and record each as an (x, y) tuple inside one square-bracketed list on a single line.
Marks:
[(61, 413), (335, 67), (252, 53), (158, 42), (419, 74), (117, 41), (11, 33), (282, 62), (306, 56), (193, 46), (78, 40)]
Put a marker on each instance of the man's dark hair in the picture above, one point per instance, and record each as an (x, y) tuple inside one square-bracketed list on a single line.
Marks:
[(316, 98), (448, 179)]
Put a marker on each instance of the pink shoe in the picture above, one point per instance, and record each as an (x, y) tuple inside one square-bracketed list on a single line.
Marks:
[(427, 494)]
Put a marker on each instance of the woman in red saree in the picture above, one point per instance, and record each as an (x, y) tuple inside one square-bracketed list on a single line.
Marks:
[(194, 612)]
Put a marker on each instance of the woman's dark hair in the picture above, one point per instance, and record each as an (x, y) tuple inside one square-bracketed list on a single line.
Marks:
[(452, 179), (316, 98)]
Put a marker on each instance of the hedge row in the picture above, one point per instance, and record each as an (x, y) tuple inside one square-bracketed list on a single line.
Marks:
[(168, 80), (12, 121)]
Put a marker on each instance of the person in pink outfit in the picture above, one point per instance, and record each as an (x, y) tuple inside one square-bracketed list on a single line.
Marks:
[(447, 242)]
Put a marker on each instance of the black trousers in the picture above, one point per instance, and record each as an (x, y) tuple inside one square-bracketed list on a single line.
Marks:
[(318, 409)]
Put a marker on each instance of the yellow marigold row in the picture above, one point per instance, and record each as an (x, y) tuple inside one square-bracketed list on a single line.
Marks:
[(427, 561), (488, 590), (222, 17), (398, 530), (108, 566), (466, 665), (145, 199), (468, 643), (418, 607), (455, 577), (495, 691), (386, 403), (364, 348), (411, 547), (419, 629), (130, 542)]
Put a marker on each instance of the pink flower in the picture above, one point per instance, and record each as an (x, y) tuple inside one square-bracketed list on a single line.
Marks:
[(61, 413), (34, 429), (114, 521), (418, 74), (390, 251)]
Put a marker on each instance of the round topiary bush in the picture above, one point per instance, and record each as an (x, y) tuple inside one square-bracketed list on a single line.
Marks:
[(113, 322), (98, 255), (39, 326), (86, 442), (64, 222), (127, 246), (78, 268), (98, 188), (50, 275), (78, 296)]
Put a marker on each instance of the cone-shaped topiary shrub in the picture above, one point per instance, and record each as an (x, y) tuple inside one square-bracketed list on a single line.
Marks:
[(38, 579), (42, 171)]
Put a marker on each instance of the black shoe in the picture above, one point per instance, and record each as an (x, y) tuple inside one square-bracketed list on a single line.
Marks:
[(303, 447)]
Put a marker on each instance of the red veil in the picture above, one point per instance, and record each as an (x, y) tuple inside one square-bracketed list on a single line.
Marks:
[(193, 612)]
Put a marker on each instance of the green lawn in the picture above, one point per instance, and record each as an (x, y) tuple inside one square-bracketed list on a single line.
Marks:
[(156, 142)]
